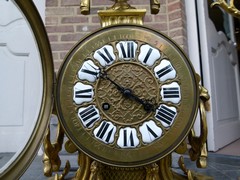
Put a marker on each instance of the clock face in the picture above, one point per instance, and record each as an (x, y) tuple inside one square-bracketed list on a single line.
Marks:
[(127, 95)]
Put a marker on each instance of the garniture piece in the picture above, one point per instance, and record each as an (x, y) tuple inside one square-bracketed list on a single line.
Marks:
[(127, 97)]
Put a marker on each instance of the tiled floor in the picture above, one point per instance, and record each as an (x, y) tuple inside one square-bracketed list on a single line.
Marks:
[(231, 149), (222, 165)]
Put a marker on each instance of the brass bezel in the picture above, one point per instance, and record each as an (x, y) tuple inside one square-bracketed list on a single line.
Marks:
[(113, 33), (21, 163)]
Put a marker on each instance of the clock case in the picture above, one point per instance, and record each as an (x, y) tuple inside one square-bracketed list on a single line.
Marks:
[(19, 166)]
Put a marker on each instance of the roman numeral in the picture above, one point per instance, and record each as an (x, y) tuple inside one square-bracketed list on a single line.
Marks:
[(128, 138), (126, 49), (150, 131), (82, 93), (105, 55), (105, 132), (171, 92), (89, 71), (148, 55), (166, 115), (89, 115), (165, 71)]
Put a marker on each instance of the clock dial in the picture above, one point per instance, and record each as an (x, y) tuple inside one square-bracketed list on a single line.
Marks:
[(127, 95)]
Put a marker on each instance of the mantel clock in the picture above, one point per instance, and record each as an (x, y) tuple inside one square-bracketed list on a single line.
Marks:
[(127, 95)]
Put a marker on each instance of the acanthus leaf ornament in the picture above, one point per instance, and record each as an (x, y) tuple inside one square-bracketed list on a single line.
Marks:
[(229, 8)]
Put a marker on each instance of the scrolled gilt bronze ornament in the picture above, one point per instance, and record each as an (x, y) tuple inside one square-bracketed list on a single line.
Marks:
[(229, 8)]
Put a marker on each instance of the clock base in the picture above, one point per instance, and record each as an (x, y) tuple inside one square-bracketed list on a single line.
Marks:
[(90, 169)]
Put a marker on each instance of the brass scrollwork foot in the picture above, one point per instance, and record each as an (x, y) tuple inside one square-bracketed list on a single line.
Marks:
[(51, 159), (198, 150), (84, 163)]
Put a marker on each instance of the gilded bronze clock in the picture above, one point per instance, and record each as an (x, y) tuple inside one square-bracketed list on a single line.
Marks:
[(127, 95)]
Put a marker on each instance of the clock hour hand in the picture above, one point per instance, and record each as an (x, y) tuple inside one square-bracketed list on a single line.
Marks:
[(147, 105), (104, 75)]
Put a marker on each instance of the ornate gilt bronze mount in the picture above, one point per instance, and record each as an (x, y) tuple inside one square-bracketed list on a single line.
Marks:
[(229, 8), (123, 13), (120, 5)]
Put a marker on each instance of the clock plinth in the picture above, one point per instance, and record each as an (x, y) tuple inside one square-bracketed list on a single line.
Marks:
[(127, 97), (126, 16)]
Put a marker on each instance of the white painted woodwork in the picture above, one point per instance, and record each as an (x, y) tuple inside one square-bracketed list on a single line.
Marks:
[(20, 78), (221, 77)]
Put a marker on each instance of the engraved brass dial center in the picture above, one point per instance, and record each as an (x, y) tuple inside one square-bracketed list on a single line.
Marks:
[(135, 78)]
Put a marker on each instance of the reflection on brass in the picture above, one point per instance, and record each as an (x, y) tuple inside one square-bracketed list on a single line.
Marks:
[(229, 8), (51, 158), (85, 7), (198, 150)]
